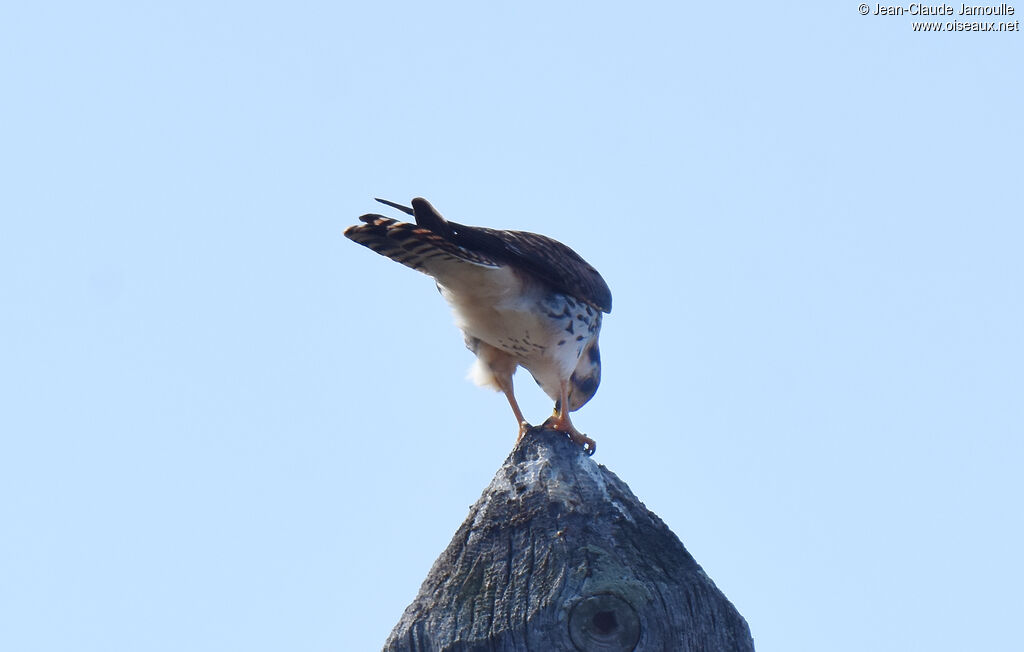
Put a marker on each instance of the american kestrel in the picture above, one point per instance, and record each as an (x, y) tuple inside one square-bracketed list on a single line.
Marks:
[(521, 299)]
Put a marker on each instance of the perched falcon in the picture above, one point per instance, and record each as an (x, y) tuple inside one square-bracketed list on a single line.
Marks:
[(520, 299)]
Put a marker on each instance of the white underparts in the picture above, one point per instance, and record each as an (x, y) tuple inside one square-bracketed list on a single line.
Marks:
[(516, 322)]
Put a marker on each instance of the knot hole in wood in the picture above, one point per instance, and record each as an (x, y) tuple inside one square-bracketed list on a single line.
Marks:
[(604, 622)]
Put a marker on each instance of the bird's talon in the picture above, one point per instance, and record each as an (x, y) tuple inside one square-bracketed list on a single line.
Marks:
[(588, 445), (524, 428)]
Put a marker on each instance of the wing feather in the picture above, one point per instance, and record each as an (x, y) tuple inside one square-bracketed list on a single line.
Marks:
[(544, 257), (435, 239), (413, 246)]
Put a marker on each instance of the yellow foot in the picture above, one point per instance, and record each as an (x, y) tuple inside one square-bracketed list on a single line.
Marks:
[(564, 425), (523, 427)]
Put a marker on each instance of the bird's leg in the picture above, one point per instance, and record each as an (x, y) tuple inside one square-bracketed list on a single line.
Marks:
[(560, 421), (506, 387)]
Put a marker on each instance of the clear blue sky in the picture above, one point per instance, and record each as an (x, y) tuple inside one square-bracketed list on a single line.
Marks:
[(223, 426)]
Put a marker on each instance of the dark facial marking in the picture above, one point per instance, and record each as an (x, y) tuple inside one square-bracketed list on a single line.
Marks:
[(587, 386)]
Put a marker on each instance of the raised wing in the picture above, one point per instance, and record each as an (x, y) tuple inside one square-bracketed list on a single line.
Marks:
[(545, 258), (413, 246)]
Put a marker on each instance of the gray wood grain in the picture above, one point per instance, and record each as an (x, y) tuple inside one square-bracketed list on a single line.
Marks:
[(558, 554)]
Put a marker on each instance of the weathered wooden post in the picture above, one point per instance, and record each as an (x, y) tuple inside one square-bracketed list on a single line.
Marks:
[(558, 554)]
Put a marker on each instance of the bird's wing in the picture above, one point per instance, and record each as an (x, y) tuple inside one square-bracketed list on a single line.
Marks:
[(547, 259), (540, 256), (434, 241), (414, 246)]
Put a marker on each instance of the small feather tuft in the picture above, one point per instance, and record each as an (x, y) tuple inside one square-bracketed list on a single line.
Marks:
[(481, 375)]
